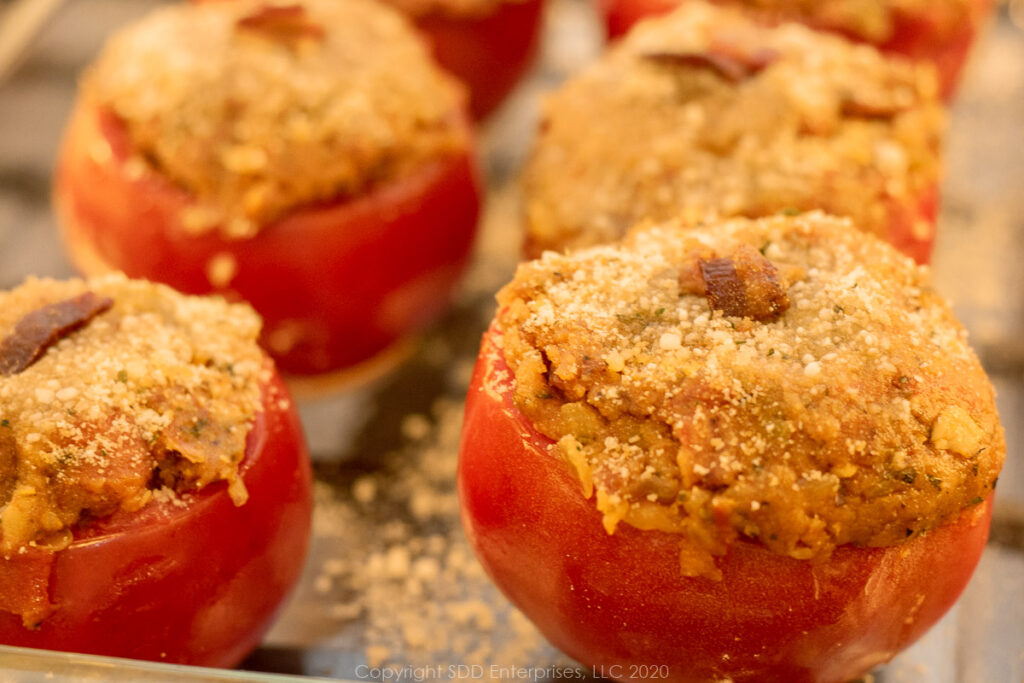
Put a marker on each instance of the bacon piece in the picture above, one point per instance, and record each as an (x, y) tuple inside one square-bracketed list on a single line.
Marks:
[(731, 64), (42, 328), (863, 108), (744, 285), (286, 24), (722, 286)]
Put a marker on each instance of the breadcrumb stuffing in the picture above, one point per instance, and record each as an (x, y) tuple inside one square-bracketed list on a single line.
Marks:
[(858, 416), (150, 399), (703, 112), (257, 114)]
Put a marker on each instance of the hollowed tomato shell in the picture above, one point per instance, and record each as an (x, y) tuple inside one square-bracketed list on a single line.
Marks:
[(197, 583), (336, 283), (918, 37), (619, 603)]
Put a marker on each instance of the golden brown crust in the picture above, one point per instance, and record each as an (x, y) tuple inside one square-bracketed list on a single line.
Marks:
[(702, 112), (154, 396), (258, 108), (858, 415)]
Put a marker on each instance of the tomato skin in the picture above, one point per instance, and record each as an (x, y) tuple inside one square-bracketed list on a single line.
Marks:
[(489, 53), (618, 602), (919, 38), (197, 584), (342, 281)]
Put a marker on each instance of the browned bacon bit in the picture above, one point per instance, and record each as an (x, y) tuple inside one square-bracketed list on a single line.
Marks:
[(755, 60), (746, 285), (722, 286), (732, 65), (286, 24), (42, 328), (865, 109)]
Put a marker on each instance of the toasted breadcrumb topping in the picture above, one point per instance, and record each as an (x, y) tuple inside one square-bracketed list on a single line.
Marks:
[(704, 113), (258, 108), (857, 415), (874, 21), (151, 398)]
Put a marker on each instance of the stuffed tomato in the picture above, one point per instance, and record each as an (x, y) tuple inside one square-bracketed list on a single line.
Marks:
[(156, 492), (343, 207), (706, 113), (693, 473)]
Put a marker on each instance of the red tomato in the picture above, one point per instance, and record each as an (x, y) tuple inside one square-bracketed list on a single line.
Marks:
[(488, 53), (618, 602), (919, 38), (336, 284), (195, 584)]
